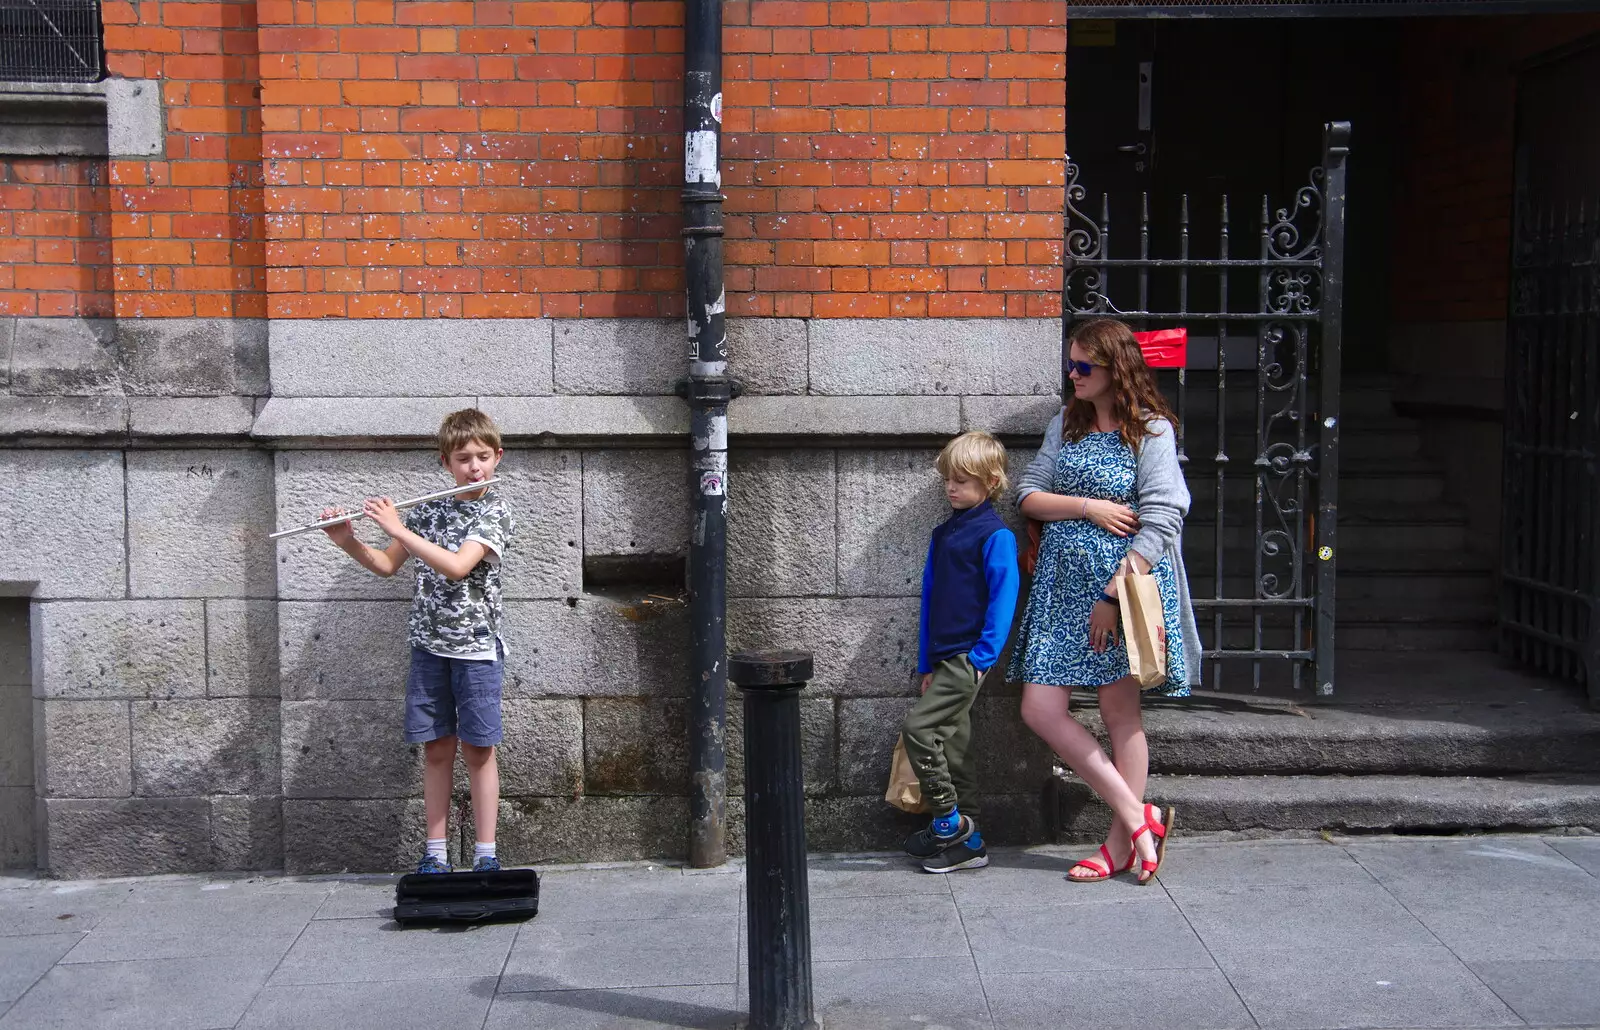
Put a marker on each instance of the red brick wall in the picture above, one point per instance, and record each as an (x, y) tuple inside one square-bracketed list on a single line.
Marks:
[(1452, 218), (438, 158), (895, 158), (447, 158), (186, 229), (55, 252)]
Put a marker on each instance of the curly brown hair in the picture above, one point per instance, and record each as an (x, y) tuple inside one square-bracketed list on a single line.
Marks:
[(1135, 400)]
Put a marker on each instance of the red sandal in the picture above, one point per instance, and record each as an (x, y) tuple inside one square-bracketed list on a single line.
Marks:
[(1148, 870), (1102, 872)]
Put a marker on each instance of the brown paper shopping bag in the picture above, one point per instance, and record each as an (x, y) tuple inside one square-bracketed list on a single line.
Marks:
[(904, 792), (1142, 628)]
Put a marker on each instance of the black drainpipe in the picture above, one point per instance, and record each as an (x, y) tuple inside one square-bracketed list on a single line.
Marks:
[(708, 391)]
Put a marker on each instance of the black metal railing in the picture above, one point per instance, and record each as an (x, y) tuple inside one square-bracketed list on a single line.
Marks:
[(50, 41), (1263, 376), (1550, 557)]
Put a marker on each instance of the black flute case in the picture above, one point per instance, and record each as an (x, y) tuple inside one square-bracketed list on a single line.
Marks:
[(466, 897)]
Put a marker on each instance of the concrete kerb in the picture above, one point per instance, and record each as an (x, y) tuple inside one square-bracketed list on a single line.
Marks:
[(737, 866)]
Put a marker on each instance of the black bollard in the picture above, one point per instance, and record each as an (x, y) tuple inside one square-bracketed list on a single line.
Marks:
[(777, 899)]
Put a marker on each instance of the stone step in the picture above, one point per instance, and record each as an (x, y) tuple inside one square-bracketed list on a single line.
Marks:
[(1395, 513), (1421, 588), (1363, 804), (1359, 636), (1366, 535), (1357, 490), (1468, 611), (1369, 624), (1357, 578), (1212, 734), (1477, 614), (1360, 403), (1356, 446), (1397, 562), (1425, 637), (1417, 586), (1421, 636)]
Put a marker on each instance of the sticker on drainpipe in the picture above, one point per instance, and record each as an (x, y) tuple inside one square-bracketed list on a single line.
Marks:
[(700, 158), (716, 108)]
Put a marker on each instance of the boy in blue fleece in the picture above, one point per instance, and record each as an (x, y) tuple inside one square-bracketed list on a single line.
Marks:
[(969, 595)]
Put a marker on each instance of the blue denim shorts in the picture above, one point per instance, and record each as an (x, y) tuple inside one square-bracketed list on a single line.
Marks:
[(457, 697)]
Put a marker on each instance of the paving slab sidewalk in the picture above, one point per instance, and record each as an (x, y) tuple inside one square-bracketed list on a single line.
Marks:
[(1470, 932)]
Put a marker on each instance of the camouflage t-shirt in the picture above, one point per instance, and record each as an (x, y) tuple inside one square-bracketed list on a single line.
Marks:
[(460, 618)]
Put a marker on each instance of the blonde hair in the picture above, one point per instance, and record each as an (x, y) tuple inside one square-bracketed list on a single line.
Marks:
[(460, 428), (979, 455)]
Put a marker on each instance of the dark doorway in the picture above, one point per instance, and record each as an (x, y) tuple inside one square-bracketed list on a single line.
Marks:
[(1236, 107), (1550, 554), (17, 815)]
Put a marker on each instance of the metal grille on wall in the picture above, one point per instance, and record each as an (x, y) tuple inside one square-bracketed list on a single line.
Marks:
[(50, 41), (1258, 403), (1550, 557)]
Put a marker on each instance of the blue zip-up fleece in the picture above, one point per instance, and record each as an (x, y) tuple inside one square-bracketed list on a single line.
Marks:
[(969, 589)]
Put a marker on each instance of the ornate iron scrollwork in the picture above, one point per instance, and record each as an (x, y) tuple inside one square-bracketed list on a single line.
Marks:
[(1275, 296)]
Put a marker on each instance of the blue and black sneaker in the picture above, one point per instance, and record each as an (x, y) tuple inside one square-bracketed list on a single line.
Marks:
[(966, 854), (927, 844), (486, 864), (430, 864)]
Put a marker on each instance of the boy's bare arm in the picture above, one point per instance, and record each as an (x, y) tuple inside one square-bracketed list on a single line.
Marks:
[(450, 564), (384, 563)]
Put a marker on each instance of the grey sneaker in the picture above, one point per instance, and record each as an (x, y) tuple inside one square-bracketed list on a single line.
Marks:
[(926, 844), (429, 864), (486, 864), (964, 855)]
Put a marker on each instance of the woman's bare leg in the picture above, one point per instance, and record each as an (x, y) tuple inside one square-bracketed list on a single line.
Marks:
[(1045, 709), (1130, 752)]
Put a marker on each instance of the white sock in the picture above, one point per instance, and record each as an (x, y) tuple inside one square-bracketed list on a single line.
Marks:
[(436, 848), (482, 850)]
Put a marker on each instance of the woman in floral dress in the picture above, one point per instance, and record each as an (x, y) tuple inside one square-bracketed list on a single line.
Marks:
[(1109, 490)]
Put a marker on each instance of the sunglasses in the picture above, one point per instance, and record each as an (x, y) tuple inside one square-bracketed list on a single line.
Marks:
[(1083, 368)]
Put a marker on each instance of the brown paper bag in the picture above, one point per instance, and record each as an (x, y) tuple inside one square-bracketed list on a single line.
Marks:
[(904, 792), (1143, 628)]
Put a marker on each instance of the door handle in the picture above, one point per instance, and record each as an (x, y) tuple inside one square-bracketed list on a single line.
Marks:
[(1132, 148)]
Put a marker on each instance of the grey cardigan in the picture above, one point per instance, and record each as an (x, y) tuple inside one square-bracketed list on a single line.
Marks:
[(1163, 504)]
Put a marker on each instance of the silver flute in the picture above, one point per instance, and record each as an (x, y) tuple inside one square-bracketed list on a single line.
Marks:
[(352, 516)]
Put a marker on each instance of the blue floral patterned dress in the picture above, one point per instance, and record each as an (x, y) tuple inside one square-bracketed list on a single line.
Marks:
[(1076, 561)]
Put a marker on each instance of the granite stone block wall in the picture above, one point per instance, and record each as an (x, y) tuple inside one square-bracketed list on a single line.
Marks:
[(825, 551), (201, 698), (150, 664)]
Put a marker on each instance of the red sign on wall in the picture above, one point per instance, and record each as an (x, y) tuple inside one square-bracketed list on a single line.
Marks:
[(1164, 348)]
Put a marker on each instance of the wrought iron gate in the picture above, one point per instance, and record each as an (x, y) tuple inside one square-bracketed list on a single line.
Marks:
[(1550, 559), (1260, 544)]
